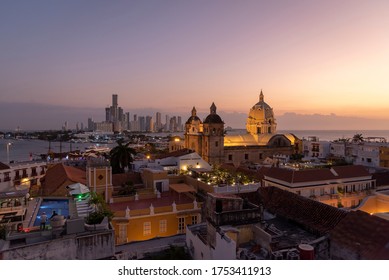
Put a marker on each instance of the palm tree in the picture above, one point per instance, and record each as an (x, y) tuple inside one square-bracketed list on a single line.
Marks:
[(357, 138), (121, 156)]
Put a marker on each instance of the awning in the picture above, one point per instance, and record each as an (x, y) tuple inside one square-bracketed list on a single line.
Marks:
[(78, 188)]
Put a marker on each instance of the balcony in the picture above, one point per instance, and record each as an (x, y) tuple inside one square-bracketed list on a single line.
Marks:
[(237, 217)]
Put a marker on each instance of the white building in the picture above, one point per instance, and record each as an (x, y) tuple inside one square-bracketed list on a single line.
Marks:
[(314, 148), (338, 186), (199, 249), (181, 160), (374, 152), (22, 175)]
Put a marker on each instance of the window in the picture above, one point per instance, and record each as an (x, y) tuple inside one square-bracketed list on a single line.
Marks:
[(332, 190), (217, 144), (122, 232), (312, 192), (230, 157), (260, 156), (321, 191), (194, 219), (162, 226), (246, 156), (181, 225), (146, 228)]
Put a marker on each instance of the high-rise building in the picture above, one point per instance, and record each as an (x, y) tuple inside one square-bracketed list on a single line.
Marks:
[(108, 114), (149, 124), (142, 123), (114, 100), (179, 124), (167, 122), (158, 121), (127, 120), (116, 116), (90, 124)]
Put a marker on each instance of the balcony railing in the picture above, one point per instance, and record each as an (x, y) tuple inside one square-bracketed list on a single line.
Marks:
[(237, 217)]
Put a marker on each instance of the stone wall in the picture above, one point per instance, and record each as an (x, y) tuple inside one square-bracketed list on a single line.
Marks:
[(91, 246)]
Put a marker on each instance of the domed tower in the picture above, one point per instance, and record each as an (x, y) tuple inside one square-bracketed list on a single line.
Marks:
[(261, 118), (193, 132), (213, 138)]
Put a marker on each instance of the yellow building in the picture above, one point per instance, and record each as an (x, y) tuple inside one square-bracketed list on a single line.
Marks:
[(384, 156), (99, 177), (166, 214), (160, 209)]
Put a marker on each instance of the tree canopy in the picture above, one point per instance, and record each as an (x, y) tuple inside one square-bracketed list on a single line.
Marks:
[(121, 156)]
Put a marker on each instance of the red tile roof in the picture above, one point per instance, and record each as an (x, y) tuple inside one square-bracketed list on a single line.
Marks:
[(382, 178), (323, 174), (363, 234), (350, 171), (317, 217), (58, 175)]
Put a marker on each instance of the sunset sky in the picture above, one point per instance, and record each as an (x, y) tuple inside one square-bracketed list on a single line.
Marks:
[(309, 57)]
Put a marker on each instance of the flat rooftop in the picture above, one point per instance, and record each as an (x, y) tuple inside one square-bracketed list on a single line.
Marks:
[(167, 199)]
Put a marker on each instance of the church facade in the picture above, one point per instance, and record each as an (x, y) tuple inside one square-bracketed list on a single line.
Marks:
[(261, 140)]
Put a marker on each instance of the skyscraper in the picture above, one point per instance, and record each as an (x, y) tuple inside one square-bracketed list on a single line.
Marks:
[(158, 121)]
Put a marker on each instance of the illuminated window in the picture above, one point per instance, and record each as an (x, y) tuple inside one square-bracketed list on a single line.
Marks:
[(146, 228), (181, 225), (123, 232), (162, 226)]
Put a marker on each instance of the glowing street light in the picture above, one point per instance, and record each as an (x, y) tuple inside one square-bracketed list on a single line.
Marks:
[(7, 146)]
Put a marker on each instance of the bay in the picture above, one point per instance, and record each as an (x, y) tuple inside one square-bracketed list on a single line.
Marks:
[(20, 150)]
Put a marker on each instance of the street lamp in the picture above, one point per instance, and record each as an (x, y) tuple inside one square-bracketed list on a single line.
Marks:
[(8, 145)]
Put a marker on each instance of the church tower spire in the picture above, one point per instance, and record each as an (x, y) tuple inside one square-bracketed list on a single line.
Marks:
[(194, 112), (261, 97), (213, 108)]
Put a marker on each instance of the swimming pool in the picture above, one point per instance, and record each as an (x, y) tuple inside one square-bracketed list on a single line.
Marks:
[(60, 206)]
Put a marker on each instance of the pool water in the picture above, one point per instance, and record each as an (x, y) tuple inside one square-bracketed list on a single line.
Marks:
[(60, 206)]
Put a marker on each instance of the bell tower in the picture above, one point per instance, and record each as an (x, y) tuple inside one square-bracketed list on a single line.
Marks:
[(193, 132), (213, 138)]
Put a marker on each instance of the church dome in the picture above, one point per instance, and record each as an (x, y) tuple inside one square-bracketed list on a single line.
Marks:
[(261, 118), (213, 117), (261, 109), (193, 118)]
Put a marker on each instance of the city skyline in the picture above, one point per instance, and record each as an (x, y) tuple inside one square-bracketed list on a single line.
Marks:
[(313, 60)]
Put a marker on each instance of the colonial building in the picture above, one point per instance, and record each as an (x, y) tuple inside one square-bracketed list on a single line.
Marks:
[(209, 140), (339, 186)]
